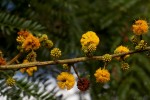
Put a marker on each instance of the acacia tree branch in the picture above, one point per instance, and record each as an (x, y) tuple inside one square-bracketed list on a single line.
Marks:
[(66, 61)]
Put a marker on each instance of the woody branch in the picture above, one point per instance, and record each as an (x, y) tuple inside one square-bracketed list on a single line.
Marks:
[(65, 61)]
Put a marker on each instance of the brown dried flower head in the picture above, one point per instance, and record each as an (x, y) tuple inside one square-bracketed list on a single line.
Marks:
[(83, 84)]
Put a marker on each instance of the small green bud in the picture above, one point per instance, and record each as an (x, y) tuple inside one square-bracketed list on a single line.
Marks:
[(137, 47), (48, 44), (44, 37), (135, 39), (89, 49), (125, 66), (10, 81), (107, 58), (55, 53), (141, 45), (65, 66)]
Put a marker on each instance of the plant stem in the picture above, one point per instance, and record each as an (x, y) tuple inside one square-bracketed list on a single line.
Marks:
[(64, 61), (14, 59), (105, 64), (76, 71)]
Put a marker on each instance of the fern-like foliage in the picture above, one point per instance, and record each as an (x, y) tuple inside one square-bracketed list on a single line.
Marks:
[(29, 88), (9, 23), (135, 83)]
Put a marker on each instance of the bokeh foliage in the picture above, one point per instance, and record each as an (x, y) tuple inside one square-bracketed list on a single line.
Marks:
[(64, 21)]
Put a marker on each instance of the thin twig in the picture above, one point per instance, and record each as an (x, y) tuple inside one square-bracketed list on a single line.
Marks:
[(76, 71), (105, 64), (14, 59)]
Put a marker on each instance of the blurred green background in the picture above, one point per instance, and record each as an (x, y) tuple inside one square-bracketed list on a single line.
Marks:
[(64, 21)]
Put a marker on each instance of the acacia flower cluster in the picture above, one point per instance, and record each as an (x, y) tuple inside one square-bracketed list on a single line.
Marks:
[(28, 43), (102, 75), (55, 53), (89, 37), (89, 42), (121, 49), (45, 41), (65, 80), (31, 43), (140, 27)]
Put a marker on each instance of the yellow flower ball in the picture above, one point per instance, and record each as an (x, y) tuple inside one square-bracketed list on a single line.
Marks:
[(121, 49), (140, 27), (102, 75), (31, 43), (89, 37), (65, 80)]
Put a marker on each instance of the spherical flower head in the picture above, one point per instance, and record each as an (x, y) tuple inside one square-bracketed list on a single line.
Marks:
[(2, 61), (31, 43), (10, 81), (83, 84), (121, 49), (102, 75), (65, 80), (125, 66), (140, 27), (55, 53), (89, 37)]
